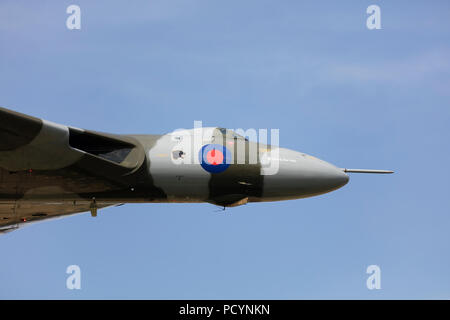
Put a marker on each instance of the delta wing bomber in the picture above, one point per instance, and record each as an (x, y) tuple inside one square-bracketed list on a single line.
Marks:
[(48, 170)]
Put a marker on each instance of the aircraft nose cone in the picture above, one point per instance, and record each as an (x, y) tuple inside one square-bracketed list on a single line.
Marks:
[(301, 175), (319, 175), (332, 177)]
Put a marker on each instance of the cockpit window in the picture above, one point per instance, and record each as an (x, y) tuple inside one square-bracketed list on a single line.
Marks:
[(177, 154), (231, 134), (223, 131)]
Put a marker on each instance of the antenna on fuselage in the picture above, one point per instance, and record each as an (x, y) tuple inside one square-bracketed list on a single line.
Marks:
[(367, 171)]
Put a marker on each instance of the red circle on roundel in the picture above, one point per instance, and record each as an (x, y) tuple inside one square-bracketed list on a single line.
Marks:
[(214, 157)]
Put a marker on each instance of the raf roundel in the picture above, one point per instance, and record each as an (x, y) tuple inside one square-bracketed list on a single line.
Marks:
[(215, 158)]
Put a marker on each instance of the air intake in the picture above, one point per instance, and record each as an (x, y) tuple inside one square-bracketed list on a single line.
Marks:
[(101, 146)]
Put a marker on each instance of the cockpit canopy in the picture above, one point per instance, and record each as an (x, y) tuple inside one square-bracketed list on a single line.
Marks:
[(230, 134)]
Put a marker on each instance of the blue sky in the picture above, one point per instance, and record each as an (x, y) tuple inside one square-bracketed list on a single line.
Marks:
[(354, 97)]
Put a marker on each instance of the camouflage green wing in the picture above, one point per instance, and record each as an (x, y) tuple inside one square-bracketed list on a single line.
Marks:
[(13, 215)]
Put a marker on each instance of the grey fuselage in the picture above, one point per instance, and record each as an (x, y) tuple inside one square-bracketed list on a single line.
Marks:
[(43, 165)]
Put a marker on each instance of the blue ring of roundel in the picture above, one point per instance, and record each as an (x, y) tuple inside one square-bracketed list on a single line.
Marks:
[(218, 167)]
